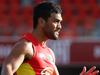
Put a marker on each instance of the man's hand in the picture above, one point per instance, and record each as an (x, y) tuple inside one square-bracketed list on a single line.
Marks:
[(91, 71)]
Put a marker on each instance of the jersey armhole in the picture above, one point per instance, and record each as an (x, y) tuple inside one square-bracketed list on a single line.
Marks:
[(34, 50), (33, 46)]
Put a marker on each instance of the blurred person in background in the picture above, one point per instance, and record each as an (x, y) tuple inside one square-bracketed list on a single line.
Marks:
[(30, 55)]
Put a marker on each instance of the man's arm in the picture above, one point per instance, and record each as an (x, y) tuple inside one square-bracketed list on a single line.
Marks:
[(56, 70), (55, 67), (15, 58)]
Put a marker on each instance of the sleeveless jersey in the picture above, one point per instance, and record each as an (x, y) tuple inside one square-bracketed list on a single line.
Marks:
[(41, 60)]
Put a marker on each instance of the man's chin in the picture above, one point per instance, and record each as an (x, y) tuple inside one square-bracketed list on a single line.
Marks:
[(55, 38)]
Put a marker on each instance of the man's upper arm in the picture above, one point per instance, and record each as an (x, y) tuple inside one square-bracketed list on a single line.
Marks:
[(16, 57)]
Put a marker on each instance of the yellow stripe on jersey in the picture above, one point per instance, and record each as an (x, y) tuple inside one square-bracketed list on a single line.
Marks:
[(25, 69)]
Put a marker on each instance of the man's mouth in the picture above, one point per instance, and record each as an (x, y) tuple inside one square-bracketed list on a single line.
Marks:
[(57, 33)]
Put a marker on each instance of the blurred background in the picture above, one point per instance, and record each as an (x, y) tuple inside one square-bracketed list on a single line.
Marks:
[(79, 43)]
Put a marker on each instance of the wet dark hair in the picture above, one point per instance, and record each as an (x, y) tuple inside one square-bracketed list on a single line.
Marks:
[(44, 11)]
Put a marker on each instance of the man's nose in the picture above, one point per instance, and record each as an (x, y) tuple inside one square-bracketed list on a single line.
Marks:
[(59, 26)]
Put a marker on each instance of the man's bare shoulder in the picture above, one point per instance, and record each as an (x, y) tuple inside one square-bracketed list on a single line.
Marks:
[(23, 46)]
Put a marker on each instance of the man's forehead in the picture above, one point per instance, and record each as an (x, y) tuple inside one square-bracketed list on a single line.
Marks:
[(56, 16)]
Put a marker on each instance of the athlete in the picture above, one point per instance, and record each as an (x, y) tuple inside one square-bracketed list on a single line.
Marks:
[(30, 55)]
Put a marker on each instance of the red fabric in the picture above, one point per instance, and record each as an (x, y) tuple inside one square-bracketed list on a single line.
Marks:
[(40, 59)]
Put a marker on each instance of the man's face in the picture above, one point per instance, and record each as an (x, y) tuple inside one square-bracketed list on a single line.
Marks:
[(53, 26)]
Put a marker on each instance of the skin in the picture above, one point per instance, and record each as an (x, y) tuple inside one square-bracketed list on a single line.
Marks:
[(16, 57), (23, 49), (91, 71), (53, 26)]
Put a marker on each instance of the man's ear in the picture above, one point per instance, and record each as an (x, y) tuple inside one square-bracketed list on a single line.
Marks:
[(41, 21)]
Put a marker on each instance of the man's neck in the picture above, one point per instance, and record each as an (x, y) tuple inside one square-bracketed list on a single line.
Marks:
[(40, 37)]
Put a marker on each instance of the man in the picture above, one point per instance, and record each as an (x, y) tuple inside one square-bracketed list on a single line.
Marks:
[(30, 55)]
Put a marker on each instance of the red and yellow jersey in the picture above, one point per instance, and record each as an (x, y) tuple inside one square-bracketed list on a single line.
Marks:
[(40, 62)]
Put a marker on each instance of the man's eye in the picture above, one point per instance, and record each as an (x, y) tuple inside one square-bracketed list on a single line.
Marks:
[(56, 21)]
